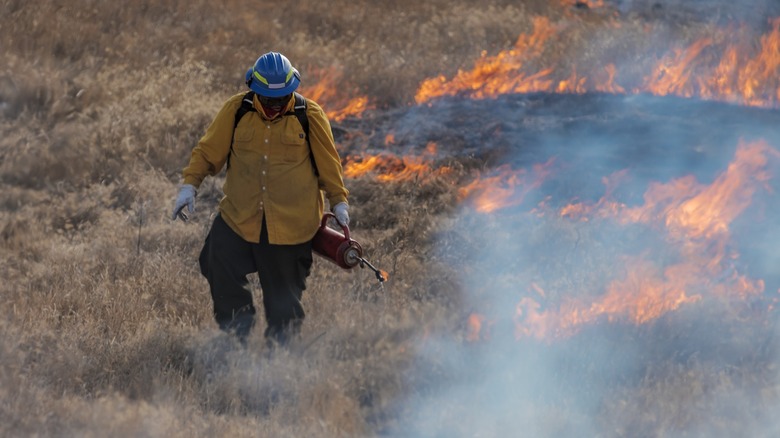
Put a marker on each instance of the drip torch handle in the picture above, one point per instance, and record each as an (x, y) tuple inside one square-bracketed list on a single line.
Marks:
[(327, 215)]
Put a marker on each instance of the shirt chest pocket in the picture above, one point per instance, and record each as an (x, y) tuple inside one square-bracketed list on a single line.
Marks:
[(242, 137), (294, 145), (245, 146)]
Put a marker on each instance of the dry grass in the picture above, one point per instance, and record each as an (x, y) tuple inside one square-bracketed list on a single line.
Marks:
[(106, 321)]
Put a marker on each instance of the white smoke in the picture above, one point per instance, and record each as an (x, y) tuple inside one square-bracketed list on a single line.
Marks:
[(576, 384)]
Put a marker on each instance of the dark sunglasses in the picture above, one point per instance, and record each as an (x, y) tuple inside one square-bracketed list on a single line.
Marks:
[(274, 101)]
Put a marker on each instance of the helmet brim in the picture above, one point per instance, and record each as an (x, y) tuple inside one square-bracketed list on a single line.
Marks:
[(263, 90)]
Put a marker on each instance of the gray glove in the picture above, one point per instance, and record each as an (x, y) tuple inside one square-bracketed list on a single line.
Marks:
[(186, 198), (341, 211)]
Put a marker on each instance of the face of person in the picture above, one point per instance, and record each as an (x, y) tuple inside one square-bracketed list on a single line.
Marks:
[(274, 105)]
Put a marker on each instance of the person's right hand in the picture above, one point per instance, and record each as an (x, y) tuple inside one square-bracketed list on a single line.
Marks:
[(186, 198)]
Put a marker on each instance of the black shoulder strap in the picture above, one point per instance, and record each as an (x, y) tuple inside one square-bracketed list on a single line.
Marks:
[(247, 105), (299, 111)]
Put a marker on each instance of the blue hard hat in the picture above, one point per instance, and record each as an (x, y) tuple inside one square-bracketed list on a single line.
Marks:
[(273, 76)]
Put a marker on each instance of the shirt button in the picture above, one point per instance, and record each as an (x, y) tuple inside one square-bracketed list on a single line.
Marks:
[(264, 172), (266, 140), (263, 188), (265, 157)]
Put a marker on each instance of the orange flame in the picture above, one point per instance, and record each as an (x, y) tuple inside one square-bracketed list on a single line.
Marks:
[(609, 86), (738, 77), (673, 76), (474, 327), (696, 219), (505, 187), (496, 75), (354, 107), (708, 69), (389, 167), (643, 295), (691, 210), (330, 94)]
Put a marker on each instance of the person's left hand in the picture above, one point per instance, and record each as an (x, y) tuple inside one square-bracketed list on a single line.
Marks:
[(341, 211)]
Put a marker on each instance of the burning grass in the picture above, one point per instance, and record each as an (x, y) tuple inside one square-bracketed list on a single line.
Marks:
[(637, 298)]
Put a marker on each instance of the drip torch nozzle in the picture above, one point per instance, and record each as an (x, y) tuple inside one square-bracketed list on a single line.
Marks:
[(381, 276)]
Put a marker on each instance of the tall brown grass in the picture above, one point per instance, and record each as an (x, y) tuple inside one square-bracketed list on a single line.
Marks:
[(106, 324)]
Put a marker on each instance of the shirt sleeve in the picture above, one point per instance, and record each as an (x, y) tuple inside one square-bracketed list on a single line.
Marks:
[(211, 153)]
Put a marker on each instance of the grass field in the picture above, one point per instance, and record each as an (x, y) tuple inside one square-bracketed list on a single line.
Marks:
[(106, 322)]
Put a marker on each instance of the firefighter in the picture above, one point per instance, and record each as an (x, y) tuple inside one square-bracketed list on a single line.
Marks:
[(273, 198)]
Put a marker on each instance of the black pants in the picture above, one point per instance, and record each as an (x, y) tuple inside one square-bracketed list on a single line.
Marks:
[(227, 259)]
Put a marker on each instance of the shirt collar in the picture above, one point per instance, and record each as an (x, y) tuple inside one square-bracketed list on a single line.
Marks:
[(262, 113)]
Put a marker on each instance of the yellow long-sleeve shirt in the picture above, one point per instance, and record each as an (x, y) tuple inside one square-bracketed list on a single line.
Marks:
[(270, 171)]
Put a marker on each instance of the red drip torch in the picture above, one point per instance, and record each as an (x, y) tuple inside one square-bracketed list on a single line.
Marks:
[(340, 248)]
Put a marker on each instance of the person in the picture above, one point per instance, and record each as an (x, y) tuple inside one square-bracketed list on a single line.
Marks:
[(273, 200)]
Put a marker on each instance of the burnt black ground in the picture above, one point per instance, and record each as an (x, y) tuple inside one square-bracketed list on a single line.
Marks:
[(752, 12), (601, 132)]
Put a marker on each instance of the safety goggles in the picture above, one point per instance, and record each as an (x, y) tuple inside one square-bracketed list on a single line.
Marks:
[(274, 101)]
